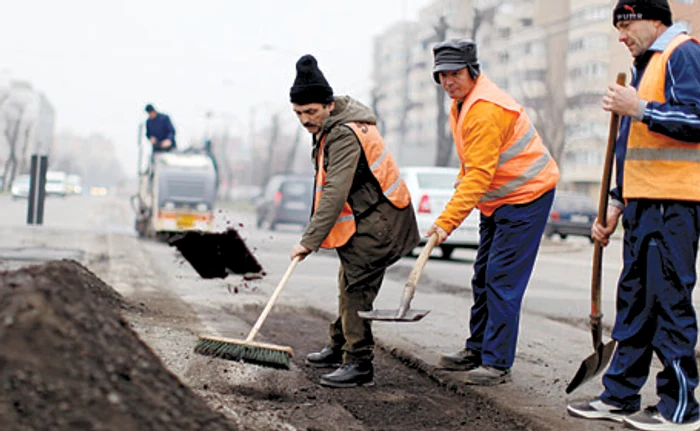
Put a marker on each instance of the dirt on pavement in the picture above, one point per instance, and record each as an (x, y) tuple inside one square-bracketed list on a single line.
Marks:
[(403, 398), (69, 361)]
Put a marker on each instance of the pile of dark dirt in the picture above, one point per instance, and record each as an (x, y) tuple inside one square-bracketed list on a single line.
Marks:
[(68, 360)]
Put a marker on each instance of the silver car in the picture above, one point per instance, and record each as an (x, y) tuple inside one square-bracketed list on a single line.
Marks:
[(431, 188)]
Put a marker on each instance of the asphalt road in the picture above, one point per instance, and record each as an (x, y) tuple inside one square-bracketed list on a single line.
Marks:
[(554, 338)]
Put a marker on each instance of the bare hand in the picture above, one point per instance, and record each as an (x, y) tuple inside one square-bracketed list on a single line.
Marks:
[(441, 233), (602, 234), (622, 100), (166, 143), (153, 140), (299, 250)]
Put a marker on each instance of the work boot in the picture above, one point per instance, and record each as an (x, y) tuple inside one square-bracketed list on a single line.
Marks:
[(464, 360), (349, 376), (487, 376), (650, 419), (326, 358), (597, 409)]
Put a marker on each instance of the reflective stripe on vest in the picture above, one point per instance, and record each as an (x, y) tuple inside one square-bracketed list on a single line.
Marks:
[(525, 169), (657, 166), (384, 169), (382, 164)]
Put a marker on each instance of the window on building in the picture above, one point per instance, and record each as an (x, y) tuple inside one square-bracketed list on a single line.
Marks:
[(590, 42), (590, 70)]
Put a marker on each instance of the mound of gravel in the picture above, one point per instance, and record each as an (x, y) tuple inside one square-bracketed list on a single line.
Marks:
[(68, 361)]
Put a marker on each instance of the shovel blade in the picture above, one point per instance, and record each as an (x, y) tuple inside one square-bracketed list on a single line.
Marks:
[(592, 366), (392, 315)]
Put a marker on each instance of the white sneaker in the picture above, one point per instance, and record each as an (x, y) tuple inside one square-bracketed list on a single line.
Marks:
[(651, 420), (596, 409)]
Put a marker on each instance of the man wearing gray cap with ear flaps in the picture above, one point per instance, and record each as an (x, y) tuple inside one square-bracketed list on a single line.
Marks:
[(508, 174)]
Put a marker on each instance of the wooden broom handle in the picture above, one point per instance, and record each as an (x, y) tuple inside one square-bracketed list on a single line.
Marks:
[(273, 298), (596, 276), (410, 286)]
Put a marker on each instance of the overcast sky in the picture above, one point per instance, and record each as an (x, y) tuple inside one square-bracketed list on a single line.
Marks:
[(99, 62)]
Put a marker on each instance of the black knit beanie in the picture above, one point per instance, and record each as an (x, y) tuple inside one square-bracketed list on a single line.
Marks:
[(634, 10), (310, 86)]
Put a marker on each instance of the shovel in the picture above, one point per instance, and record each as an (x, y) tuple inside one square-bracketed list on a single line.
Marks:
[(404, 313), (598, 361)]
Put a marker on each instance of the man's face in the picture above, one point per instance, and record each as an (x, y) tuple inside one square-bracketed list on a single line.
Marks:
[(313, 115), (639, 35), (457, 83), (152, 114)]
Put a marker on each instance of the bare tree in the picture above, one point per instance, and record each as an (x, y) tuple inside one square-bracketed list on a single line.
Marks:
[(13, 124), (549, 120), (271, 148), (443, 155), (291, 157)]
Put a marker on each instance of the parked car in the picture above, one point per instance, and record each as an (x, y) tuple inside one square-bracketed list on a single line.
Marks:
[(286, 199), (571, 214), (74, 184), (20, 187), (431, 188), (56, 183)]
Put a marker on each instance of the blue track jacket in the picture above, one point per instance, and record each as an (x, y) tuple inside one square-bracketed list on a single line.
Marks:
[(679, 117)]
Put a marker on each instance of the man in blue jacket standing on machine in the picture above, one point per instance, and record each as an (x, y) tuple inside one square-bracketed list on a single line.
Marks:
[(658, 196), (159, 130)]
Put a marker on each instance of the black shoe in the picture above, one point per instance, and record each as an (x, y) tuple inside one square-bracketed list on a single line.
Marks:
[(349, 376), (464, 360), (326, 358)]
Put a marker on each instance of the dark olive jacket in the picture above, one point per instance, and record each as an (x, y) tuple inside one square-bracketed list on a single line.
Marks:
[(384, 233)]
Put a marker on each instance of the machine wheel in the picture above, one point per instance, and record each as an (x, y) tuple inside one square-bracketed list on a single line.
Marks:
[(563, 235), (447, 251)]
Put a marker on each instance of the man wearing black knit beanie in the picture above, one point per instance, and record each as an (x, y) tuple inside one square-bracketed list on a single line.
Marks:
[(658, 197), (362, 209)]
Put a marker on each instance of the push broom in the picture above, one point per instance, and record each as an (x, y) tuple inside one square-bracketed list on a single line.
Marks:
[(264, 354)]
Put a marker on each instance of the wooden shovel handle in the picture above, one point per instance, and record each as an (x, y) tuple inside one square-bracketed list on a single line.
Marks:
[(273, 298), (409, 288), (596, 276)]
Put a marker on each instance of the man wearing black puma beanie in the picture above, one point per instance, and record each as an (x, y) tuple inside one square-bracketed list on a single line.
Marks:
[(657, 195), (362, 209)]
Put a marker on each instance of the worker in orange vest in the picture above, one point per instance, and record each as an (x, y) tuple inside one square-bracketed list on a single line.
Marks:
[(508, 174), (362, 209), (658, 198)]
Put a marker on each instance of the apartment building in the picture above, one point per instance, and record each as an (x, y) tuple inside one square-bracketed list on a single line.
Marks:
[(556, 57), (687, 12), (405, 95)]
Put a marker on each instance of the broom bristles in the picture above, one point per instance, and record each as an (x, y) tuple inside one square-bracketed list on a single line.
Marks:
[(240, 351)]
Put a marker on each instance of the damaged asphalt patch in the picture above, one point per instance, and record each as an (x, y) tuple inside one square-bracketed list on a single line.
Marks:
[(403, 398)]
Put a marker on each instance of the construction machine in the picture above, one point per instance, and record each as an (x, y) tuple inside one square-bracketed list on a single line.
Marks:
[(176, 191)]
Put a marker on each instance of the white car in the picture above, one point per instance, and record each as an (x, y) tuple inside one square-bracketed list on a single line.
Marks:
[(431, 188), (20, 187), (56, 183)]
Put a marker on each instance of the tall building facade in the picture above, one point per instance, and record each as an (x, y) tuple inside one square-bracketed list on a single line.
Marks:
[(556, 57)]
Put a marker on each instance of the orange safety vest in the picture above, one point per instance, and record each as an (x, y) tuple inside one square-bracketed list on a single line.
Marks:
[(384, 169), (656, 166), (525, 168)]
